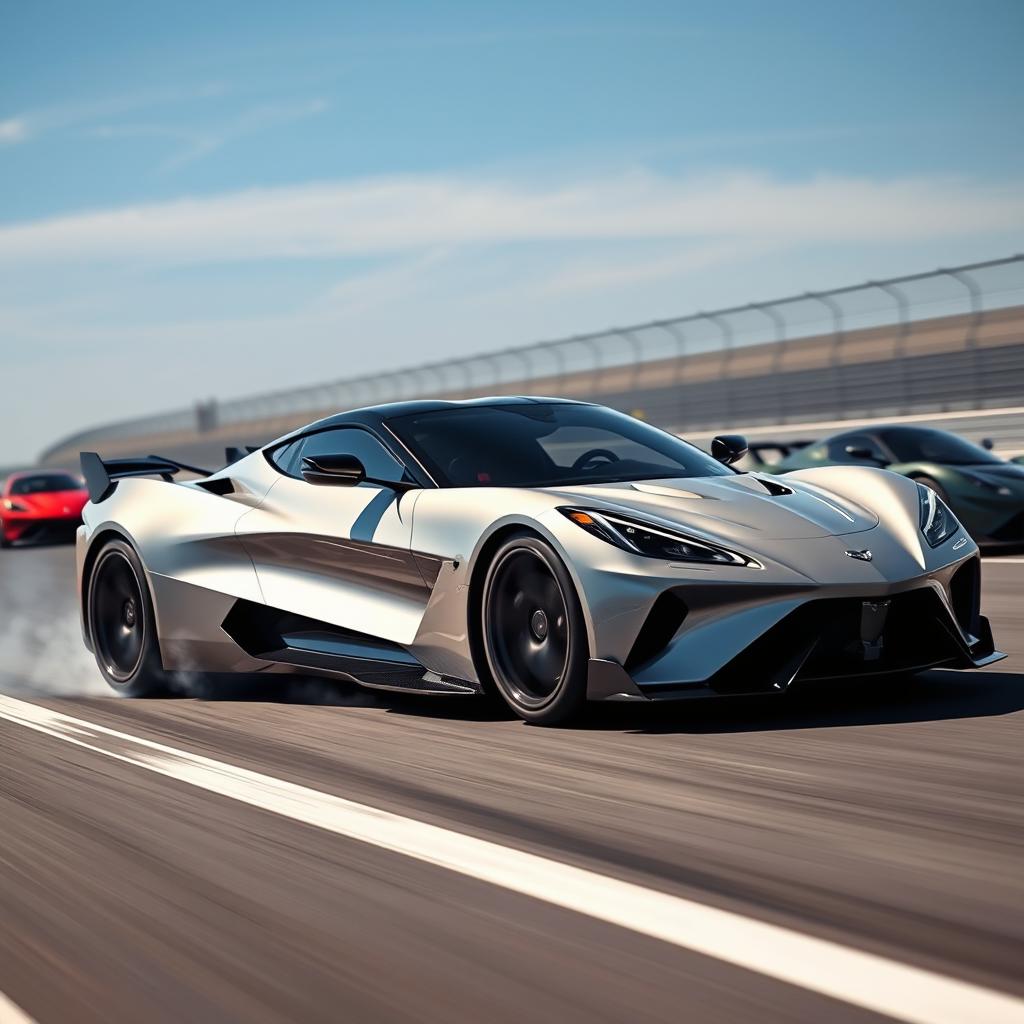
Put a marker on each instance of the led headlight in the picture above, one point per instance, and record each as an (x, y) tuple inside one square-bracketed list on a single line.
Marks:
[(938, 524), (641, 538), (14, 506)]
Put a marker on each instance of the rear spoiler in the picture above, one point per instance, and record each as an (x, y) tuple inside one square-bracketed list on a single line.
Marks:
[(101, 475)]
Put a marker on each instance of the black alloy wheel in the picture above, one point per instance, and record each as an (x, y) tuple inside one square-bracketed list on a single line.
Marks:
[(121, 624), (534, 636)]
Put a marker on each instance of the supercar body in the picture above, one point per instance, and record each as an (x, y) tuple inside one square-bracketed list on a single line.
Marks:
[(545, 551)]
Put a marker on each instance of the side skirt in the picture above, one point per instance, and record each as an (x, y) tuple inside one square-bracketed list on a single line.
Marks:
[(283, 638)]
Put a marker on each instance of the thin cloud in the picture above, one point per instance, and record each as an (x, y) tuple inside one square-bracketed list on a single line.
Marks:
[(405, 215), (13, 130), (74, 114), (251, 122)]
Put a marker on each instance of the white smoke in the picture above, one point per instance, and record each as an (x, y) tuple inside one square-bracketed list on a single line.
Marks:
[(41, 652)]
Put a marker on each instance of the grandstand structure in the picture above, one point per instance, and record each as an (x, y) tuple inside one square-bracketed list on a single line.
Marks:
[(931, 345)]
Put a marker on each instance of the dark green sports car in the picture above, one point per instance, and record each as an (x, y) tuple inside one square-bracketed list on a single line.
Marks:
[(985, 492)]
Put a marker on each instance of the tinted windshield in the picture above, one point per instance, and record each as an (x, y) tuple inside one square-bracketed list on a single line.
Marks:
[(545, 446), (916, 444), (45, 482)]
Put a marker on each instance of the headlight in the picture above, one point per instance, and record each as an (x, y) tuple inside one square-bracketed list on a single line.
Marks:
[(988, 485), (14, 506), (640, 538), (938, 524)]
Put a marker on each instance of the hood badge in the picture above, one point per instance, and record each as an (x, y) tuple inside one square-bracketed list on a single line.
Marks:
[(861, 556)]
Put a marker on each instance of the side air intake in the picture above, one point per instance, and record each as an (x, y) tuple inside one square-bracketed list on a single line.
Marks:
[(662, 623)]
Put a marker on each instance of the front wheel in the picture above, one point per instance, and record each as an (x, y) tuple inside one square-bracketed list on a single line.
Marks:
[(122, 625), (533, 632), (933, 485)]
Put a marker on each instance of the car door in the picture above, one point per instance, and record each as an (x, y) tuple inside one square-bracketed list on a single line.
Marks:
[(339, 553)]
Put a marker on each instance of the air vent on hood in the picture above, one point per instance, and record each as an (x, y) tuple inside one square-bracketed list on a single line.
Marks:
[(773, 487)]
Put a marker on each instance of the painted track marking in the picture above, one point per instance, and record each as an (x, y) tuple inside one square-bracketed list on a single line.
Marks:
[(11, 1014), (861, 979)]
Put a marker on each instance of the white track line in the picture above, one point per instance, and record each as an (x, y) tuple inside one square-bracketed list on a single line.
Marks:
[(11, 1014), (1003, 561), (861, 979)]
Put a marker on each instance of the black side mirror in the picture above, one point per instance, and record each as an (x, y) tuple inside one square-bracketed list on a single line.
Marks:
[(339, 470), (987, 443), (728, 448)]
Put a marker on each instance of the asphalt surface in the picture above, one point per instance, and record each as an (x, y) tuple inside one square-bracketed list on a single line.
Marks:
[(890, 821)]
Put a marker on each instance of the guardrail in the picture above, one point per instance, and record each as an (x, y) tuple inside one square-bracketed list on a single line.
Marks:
[(946, 339)]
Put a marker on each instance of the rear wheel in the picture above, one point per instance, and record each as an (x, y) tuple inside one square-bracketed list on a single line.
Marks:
[(122, 625), (533, 633)]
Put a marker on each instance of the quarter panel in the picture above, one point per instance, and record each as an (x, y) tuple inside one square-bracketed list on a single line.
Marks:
[(340, 555), (185, 539)]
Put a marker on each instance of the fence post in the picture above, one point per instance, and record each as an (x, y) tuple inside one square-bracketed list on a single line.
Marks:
[(725, 328), (674, 331), (638, 350), (524, 362), (903, 308), (771, 311), (971, 341), (839, 384), (555, 348)]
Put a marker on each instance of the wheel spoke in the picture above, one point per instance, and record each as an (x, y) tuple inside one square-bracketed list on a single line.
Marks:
[(527, 630), (118, 616)]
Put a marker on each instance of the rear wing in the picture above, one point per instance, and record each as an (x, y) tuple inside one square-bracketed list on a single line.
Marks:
[(101, 475)]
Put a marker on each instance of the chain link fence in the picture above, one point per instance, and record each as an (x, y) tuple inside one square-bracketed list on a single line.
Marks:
[(736, 365)]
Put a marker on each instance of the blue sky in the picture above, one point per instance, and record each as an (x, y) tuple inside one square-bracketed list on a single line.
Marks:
[(219, 198)]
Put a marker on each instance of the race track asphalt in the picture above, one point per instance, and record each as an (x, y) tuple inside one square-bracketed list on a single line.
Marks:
[(888, 821)]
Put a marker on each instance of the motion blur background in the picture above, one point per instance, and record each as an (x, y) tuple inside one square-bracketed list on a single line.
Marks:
[(230, 200), (221, 220)]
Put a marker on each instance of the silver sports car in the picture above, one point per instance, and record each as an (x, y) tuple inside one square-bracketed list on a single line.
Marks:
[(547, 552)]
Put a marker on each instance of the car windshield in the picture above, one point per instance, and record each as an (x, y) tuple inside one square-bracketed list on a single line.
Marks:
[(916, 444), (545, 445), (41, 482)]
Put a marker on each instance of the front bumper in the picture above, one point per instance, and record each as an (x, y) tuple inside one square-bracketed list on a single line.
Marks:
[(884, 632), (18, 530)]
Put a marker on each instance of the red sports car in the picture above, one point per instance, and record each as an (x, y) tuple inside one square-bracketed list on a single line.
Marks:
[(40, 506)]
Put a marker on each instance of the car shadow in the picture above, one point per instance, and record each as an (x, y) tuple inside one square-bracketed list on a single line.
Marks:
[(930, 697), (933, 696)]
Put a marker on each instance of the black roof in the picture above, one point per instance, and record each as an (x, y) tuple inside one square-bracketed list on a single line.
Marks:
[(373, 415)]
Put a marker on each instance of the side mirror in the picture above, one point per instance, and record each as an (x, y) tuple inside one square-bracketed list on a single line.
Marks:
[(987, 443), (339, 470), (728, 448)]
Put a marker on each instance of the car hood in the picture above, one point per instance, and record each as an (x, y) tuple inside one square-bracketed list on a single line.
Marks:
[(53, 503), (734, 506)]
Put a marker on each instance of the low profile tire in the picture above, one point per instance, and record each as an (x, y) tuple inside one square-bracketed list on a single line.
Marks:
[(533, 633), (122, 625)]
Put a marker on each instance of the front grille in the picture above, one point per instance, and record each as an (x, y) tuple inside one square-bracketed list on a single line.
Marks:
[(823, 640), (48, 531)]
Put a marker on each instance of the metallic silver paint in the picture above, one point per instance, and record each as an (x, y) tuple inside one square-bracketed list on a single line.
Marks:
[(401, 566)]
